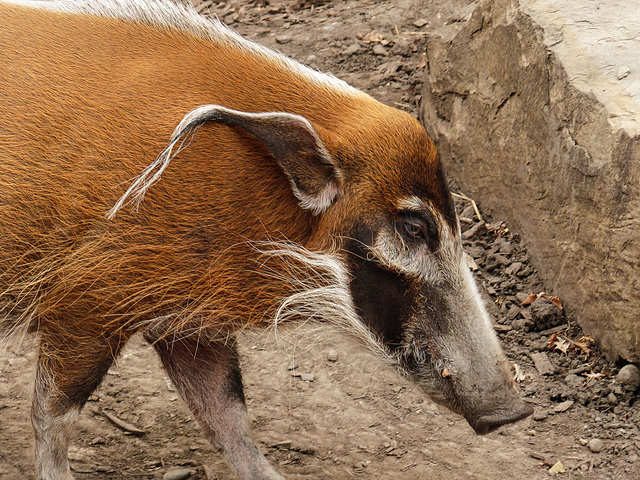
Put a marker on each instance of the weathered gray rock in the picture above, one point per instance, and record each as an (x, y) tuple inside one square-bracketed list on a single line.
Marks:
[(307, 377), (595, 445), (542, 363), (177, 474), (563, 407), (535, 118), (545, 314), (629, 375)]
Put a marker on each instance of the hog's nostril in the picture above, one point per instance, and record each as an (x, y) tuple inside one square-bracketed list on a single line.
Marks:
[(489, 423)]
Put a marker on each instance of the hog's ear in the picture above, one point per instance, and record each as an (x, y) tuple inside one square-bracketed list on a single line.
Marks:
[(296, 146), (294, 143), (315, 179)]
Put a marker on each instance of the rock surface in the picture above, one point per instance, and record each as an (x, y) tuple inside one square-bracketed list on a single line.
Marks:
[(629, 375), (534, 107)]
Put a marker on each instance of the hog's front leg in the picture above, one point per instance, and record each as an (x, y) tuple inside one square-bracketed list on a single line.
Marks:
[(207, 375)]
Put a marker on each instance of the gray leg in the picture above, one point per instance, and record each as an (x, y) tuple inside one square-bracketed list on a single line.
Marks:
[(207, 375), (52, 430), (67, 372)]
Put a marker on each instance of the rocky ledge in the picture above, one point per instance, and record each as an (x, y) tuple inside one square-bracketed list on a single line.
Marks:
[(535, 108)]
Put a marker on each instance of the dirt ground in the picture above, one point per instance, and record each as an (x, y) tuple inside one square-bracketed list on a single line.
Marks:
[(354, 417)]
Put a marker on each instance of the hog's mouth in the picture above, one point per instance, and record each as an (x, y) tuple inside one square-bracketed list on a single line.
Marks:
[(489, 423), (485, 417)]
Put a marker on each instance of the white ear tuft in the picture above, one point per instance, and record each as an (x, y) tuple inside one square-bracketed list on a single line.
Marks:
[(315, 179)]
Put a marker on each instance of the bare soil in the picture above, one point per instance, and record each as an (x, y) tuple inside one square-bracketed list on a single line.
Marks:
[(356, 417)]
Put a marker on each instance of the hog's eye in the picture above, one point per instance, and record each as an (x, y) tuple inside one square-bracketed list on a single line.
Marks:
[(415, 228)]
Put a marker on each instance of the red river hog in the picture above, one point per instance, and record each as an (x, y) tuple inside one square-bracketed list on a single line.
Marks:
[(161, 174)]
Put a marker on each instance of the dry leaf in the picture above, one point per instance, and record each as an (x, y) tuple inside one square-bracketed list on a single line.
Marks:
[(555, 300), (561, 342), (593, 376), (584, 343), (530, 299), (519, 375), (562, 345), (534, 296)]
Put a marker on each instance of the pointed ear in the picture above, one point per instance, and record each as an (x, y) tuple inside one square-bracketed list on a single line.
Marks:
[(315, 179)]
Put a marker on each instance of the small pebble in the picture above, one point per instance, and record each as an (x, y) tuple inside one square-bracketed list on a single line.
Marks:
[(282, 39), (177, 474), (292, 366), (307, 377), (558, 467), (513, 268), (513, 312), (507, 249), (332, 356), (351, 49), (573, 381), (380, 50), (595, 445), (563, 407), (420, 23), (545, 314), (521, 324), (542, 363), (540, 415), (502, 328), (623, 72), (83, 467), (540, 345)]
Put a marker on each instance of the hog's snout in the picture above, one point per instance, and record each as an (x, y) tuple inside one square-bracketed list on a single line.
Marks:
[(513, 413)]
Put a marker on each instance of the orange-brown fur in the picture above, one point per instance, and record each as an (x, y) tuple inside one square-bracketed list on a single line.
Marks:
[(87, 104)]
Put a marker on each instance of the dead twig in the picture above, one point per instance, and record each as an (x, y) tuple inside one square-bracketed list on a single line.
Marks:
[(127, 427), (407, 467), (462, 196), (583, 343)]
